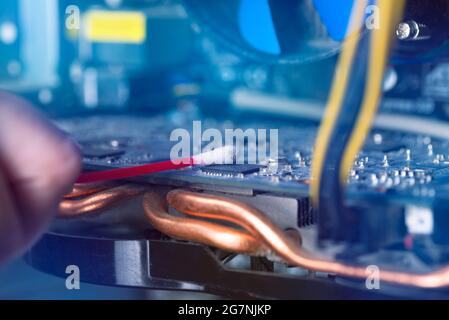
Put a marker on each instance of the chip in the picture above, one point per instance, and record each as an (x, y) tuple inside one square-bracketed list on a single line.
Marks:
[(231, 169)]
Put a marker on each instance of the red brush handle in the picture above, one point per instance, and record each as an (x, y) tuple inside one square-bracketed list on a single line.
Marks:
[(122, 173)]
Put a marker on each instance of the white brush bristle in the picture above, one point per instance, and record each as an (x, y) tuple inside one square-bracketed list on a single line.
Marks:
[(223, 155)]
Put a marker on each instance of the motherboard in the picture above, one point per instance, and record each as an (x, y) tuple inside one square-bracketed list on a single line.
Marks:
[(391, 163)]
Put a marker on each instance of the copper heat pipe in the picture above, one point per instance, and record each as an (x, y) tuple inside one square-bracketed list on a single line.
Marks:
[(214, 207), (99, 201), (261, 238)]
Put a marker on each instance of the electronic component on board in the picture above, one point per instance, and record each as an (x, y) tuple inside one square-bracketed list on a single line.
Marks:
[(231, 170)]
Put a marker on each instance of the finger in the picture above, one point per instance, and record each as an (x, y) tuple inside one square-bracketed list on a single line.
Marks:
[(39, 161), (11, 232)]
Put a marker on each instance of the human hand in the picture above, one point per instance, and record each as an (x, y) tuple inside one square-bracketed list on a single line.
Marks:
[(38, 165)]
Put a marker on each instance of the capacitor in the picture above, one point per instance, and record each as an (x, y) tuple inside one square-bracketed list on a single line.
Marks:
[(412, 31)]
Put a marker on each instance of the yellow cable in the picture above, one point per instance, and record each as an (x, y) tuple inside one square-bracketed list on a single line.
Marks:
[(389, 12), (339, 87)]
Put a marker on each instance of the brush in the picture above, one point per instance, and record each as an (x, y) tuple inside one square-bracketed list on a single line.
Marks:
[(217, 156)]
